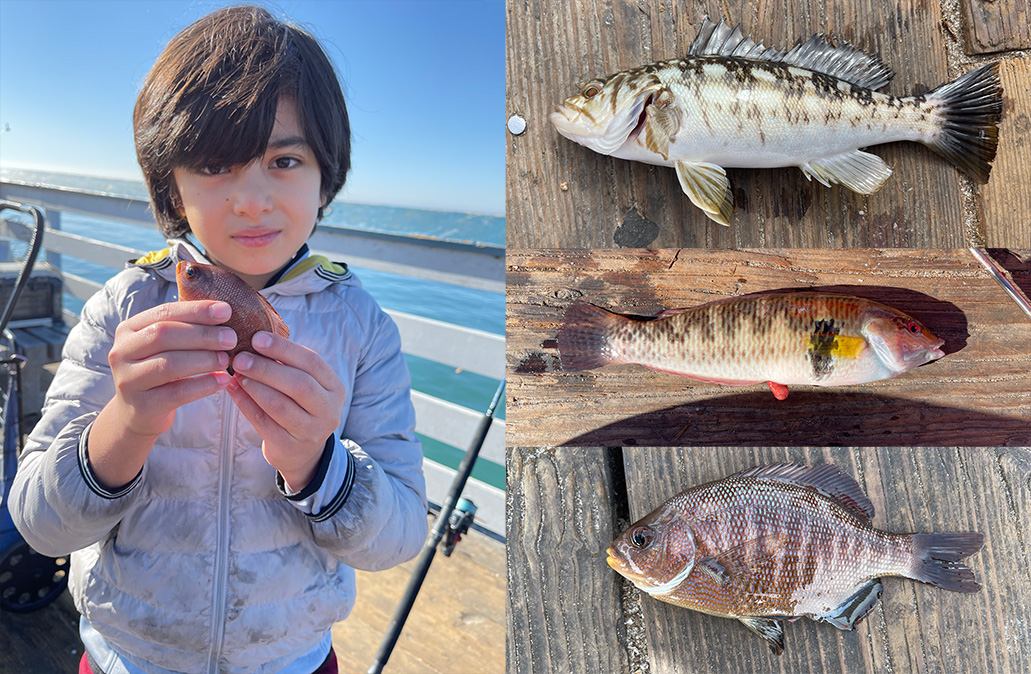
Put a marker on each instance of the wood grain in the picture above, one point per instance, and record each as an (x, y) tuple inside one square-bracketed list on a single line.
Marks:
[(1007, 196), (997, 25), (564, 612), (915, 627), (978, 394), (561, 194)]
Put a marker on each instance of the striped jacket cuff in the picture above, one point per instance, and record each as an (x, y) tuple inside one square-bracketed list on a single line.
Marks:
[(312, 500), (91, 479)]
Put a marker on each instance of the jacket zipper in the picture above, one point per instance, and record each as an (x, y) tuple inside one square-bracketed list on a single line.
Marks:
[(218, 611)]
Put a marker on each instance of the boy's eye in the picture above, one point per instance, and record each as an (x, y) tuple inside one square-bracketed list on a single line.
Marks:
[(213, 169), (285, 162)]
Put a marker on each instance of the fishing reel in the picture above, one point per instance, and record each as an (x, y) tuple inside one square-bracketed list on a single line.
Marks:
[(29, 580), (457, 525)]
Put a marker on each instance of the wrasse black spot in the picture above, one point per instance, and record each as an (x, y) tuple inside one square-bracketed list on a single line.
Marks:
[(821, 347)]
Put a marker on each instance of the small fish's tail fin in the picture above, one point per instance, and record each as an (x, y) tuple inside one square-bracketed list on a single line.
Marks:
[(583, 337), (970, 109), (936, 559)]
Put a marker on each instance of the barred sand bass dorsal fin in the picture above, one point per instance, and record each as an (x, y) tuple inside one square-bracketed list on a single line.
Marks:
[(818, 54)]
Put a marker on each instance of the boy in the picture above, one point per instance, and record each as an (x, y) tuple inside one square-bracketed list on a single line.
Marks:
[(216, 519)]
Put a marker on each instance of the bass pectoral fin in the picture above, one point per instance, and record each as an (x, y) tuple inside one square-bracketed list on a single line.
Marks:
[(770, 630), (661, 123), (708, 188), (859, 171)]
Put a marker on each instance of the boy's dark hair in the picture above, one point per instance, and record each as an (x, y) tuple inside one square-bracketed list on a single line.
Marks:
[(211, 99)]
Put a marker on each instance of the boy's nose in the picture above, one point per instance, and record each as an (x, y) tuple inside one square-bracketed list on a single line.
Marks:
[(252, 196)]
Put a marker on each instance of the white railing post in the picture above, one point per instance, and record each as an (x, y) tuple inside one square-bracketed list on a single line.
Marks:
[(53, 222)]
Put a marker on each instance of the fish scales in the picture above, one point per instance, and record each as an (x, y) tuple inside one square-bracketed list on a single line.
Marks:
[(819, 551), (778, 542), (795, 115), (786, 338), (734, 103)]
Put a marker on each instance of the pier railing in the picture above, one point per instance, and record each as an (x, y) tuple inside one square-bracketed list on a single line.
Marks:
[(473, 266)]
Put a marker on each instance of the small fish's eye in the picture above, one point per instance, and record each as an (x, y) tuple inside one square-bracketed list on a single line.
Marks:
[(913, 327), (191, 272), (590, 90), (641, 537)]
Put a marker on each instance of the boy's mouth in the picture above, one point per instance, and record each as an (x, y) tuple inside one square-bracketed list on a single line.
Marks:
[(255, 238)]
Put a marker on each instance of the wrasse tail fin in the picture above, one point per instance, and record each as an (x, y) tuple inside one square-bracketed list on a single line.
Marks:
[(936, 559), (859, 171), (708, 188), (770, 630), (971, 108), (583, 337)]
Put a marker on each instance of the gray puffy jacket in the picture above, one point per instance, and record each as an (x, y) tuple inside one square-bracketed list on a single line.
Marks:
[(203, 564)]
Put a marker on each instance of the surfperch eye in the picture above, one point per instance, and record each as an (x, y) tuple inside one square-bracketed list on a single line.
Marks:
[(641, 537), (590, 90), (191, 272), (913, 327)]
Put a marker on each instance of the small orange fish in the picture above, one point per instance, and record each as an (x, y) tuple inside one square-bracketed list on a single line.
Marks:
[(251, 311)]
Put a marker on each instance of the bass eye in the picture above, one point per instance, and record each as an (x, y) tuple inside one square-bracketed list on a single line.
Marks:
[(591, 89), (641, 537), (913, 327)]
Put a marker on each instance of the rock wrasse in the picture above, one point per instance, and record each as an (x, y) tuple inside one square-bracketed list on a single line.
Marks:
[(783, 338)]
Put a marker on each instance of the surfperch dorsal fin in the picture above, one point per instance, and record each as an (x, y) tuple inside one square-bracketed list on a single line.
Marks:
[(818, 54), (826, 478)]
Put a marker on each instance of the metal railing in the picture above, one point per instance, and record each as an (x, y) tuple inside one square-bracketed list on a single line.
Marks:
[(468, 265)]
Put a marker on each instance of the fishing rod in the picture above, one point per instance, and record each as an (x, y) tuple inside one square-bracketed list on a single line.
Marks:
[(422, 565), (1002, 279)]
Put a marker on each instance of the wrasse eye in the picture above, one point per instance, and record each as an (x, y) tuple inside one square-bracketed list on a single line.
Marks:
[(590, 90), (641, 537), (913, 327)]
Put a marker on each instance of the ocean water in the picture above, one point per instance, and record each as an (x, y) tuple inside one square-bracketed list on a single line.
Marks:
[(467, 307)]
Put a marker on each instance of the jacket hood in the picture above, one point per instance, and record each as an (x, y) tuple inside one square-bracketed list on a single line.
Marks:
[(305, 274)]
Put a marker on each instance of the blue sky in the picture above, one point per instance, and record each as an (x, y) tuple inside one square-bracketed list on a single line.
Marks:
[(424, 82)]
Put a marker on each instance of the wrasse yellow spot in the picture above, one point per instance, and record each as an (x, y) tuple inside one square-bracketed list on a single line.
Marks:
[(847, 347)]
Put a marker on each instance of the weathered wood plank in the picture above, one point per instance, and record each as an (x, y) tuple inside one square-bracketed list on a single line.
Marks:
[(1007, 196), (978, 394), (563, 615), (915, 627), (564, 195), (996, 26)]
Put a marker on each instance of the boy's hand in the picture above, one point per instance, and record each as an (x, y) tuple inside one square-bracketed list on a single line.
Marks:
[(161, 359), (293, 398)]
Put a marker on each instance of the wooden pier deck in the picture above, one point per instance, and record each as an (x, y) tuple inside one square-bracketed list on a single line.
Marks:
[(561, 194), (456, 624), (569, 612), (979, 394)]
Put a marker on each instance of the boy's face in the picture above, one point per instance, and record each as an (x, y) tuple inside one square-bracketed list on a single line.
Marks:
[(253, 218)]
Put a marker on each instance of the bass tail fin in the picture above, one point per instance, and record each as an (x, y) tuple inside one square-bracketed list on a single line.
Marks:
[(936, 559), (970, 109), (583, 337)]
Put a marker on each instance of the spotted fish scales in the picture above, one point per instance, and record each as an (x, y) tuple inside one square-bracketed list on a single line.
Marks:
[(783, 338), (777, 542), (735, 103)]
